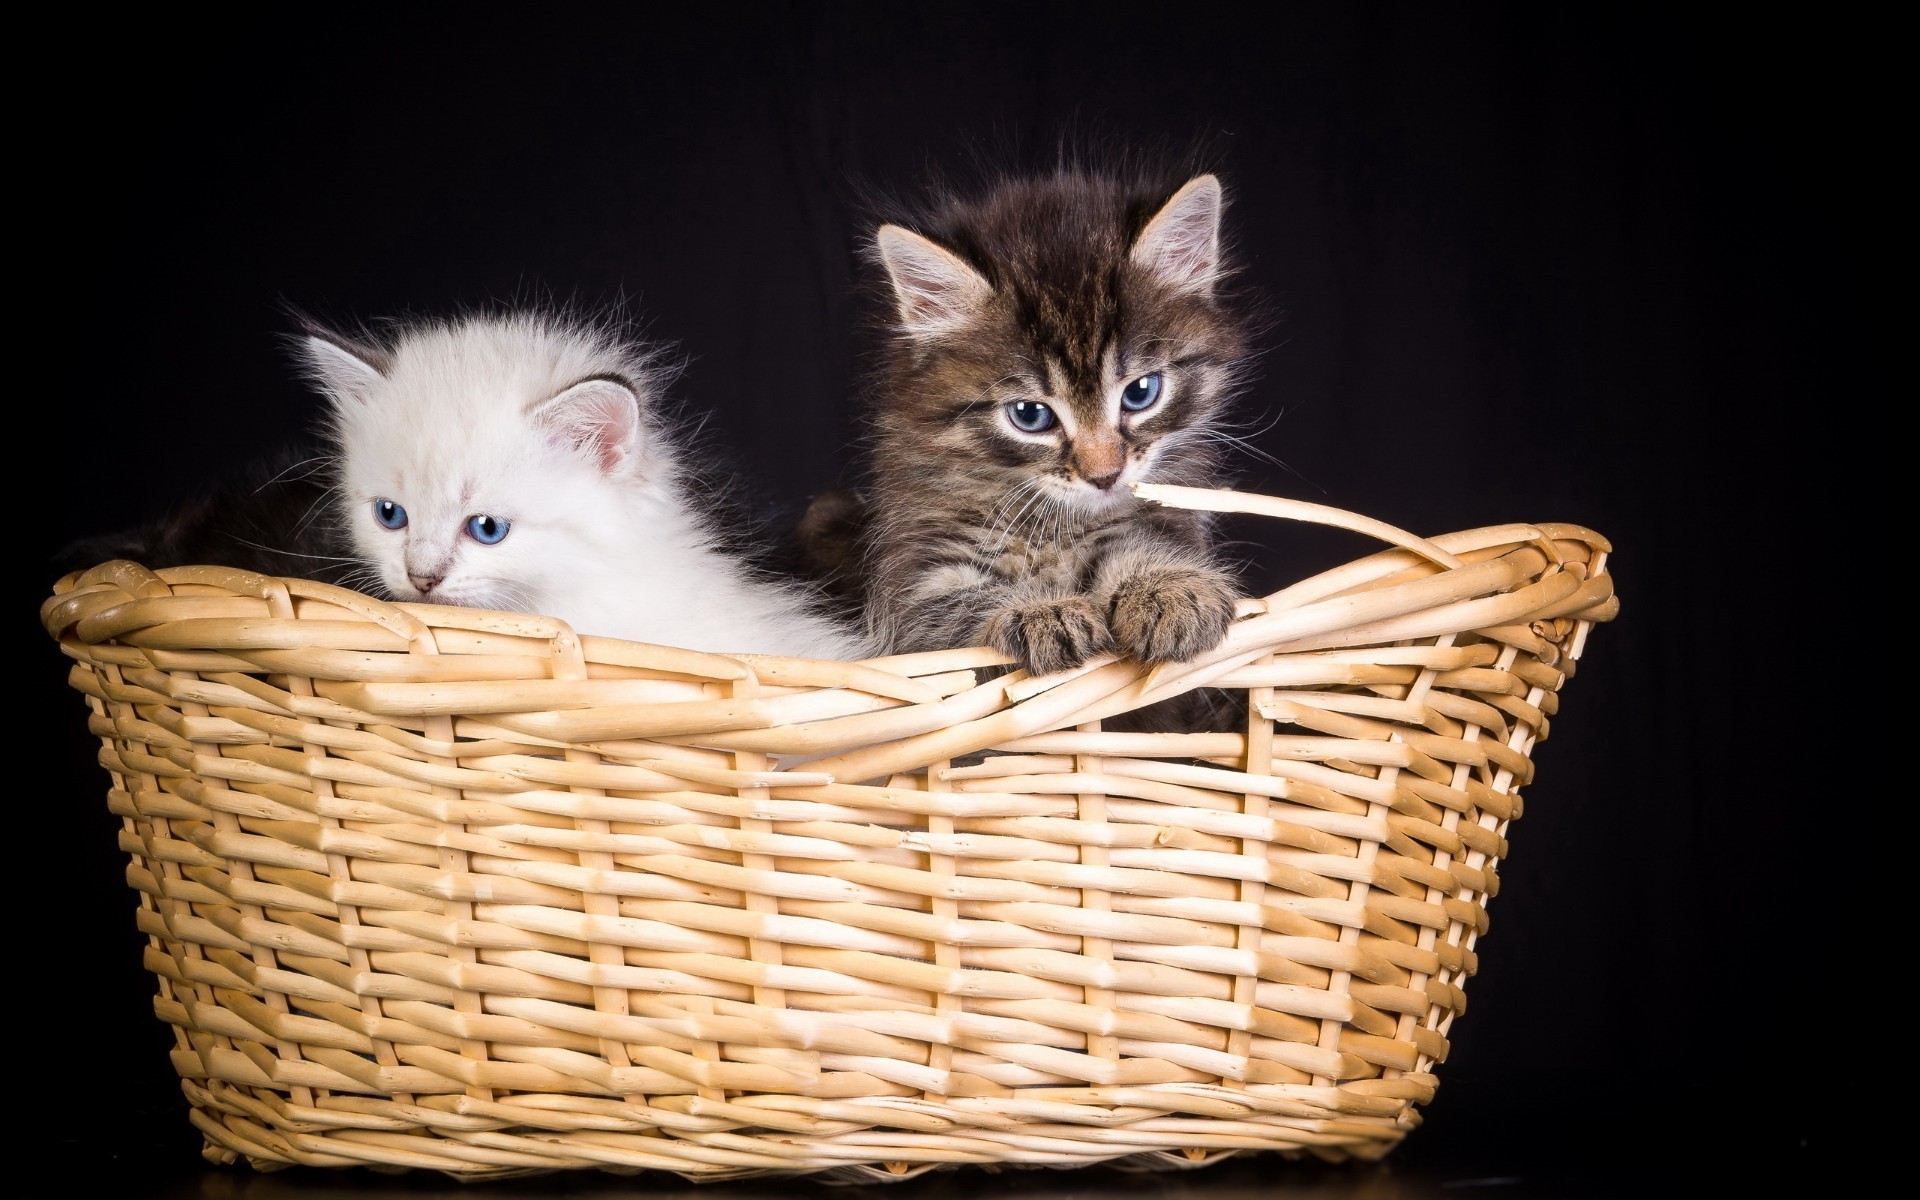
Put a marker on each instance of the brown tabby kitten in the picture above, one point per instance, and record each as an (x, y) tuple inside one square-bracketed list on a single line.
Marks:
[(1054, 341)]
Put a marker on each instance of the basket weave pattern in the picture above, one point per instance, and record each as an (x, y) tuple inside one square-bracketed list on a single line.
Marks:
[(439, 888)]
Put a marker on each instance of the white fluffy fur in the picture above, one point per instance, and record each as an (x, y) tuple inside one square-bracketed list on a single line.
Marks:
[(529, 418)]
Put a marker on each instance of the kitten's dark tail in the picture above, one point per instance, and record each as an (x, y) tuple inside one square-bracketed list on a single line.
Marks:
[(104, 547), (828, 539), (272, 517)]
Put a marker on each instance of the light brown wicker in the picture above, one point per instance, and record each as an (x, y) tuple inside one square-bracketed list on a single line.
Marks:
[(441, 888)]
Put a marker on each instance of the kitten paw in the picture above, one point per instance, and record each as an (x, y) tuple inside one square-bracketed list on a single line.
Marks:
[(1050, 635), (1172, 614)]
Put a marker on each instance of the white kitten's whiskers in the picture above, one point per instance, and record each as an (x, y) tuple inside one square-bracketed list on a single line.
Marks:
[(555, 425)]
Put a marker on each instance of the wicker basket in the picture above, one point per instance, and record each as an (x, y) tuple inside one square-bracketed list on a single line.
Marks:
[(441, 888)]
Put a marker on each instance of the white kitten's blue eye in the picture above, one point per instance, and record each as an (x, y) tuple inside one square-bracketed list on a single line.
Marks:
[(487, 530), (1030, 416), (1142, 394), (389, 514)]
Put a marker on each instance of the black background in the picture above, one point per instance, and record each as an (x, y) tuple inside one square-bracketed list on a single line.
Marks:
[(1598, 265)]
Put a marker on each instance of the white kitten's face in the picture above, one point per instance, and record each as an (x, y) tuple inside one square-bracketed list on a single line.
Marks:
[(484, 464), (465, 524)]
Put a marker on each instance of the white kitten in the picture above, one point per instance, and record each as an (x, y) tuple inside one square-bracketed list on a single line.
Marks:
[(515, 462)]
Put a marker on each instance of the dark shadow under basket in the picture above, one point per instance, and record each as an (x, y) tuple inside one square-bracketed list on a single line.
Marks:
[(441, 888)]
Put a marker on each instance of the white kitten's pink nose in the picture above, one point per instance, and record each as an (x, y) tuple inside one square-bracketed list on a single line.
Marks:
[(424, 583)]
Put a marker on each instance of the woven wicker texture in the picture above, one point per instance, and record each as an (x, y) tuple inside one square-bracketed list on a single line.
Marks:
[(440, 888)]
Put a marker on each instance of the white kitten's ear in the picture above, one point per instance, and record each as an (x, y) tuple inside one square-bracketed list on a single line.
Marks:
[(343, 374), (934, 290), (598, 416), (1181, 244)]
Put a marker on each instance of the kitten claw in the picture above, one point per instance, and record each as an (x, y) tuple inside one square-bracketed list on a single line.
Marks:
[(1045, 636), (1172, 614)]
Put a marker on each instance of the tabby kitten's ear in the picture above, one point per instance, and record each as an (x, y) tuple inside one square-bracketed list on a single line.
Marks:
[(599, 417), (934, 290), (1181, 244)]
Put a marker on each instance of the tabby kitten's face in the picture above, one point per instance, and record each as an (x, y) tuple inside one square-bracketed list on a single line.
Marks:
[(1061, 339)]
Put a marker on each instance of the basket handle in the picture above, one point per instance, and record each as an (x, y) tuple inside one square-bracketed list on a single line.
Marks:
[(1219, 500)]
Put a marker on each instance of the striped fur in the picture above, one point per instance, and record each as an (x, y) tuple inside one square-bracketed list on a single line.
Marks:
[(1061, 289)]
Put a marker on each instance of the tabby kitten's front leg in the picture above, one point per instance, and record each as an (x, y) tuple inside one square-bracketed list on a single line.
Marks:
[(965, 606), (1164, 609), (1050, 634)]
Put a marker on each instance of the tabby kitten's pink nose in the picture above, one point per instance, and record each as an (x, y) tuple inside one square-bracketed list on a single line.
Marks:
[(425, 583), (1099, 460)]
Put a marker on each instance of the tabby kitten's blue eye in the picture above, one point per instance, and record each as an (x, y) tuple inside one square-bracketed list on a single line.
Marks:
[(487, 530), (1142, 394), (389, 514), (1030, 416)]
